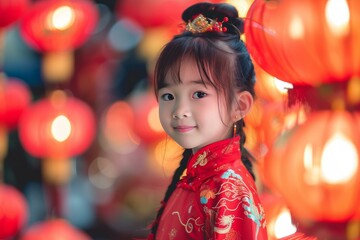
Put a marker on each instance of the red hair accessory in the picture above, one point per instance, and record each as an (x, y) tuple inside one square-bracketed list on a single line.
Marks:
[(202, 24)]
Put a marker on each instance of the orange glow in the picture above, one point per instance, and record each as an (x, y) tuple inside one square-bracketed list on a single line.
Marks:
[(154, 121), (296, 27), (58, 66), (117, 128), (57, 171), (167, 155), (146, 118), (241, 5)]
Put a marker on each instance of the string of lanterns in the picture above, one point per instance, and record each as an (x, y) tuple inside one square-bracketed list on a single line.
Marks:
[(314, 165)]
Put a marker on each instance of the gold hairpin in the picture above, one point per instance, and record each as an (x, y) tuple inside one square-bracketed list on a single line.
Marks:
[(202, 24)]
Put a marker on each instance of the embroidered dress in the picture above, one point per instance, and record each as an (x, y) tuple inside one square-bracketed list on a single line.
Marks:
[(217, 199)]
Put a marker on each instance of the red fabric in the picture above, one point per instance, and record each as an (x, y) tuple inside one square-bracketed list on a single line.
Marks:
[(217, 199)]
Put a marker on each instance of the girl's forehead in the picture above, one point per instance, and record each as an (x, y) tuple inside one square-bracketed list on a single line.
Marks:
[(188, 70)]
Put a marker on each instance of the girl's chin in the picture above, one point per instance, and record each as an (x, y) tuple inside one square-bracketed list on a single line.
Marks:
[(185, 144)]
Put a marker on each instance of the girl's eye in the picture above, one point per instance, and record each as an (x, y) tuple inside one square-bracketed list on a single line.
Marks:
[(167, 97), (199, 94)]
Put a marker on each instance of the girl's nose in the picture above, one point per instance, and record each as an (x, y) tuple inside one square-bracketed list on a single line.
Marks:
[(181, 111), (181, 115)]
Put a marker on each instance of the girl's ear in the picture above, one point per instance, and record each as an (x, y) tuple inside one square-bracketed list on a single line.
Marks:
[(243, 104)]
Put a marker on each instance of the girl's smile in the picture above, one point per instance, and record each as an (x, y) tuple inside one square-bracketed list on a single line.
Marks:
[(184, 128)]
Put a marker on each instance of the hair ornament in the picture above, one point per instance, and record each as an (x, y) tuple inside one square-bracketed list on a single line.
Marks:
[(202, 24)]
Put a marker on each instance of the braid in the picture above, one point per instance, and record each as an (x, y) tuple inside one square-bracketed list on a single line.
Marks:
[(246, 156), (176, 177)]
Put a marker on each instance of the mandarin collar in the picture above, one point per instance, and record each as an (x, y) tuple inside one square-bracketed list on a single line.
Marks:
[(209, 160)]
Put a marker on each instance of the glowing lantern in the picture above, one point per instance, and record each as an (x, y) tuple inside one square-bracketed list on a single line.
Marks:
[(320, 163), (149, 13), (56, 25), (276, 137), (13, 211), (56, 129), (269, 169), (53, 230), (11, 110), (11, 11), (118, 128), (14, 99), (147, 123), (305, 42)]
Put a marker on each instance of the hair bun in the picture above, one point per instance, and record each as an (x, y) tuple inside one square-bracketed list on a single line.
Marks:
[(216, 11)]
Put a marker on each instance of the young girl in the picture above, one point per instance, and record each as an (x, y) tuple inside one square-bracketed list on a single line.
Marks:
[(204, 81)]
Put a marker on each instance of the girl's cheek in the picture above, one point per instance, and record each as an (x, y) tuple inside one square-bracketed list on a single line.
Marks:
[(165, 108), (164, 113)]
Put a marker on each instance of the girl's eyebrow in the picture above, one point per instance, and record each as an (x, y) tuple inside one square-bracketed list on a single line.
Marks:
[(165, 84), (199, 82)]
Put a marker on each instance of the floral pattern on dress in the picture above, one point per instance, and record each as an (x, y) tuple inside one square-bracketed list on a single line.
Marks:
[(232, 196), (217, 199)]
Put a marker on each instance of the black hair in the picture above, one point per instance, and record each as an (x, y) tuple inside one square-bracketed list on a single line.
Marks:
[(221, 55)]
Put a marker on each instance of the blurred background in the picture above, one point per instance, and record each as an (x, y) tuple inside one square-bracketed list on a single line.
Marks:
[(82, 151), (104, 163)]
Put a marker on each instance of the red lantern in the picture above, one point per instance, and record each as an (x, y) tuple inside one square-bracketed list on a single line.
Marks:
[(13, 211), (57, 127), (53, 230), (273, 126), (56, 25), (305, 41), (146, 122), (11, 110), (318, 171), (11, 11), (118, 127), (150, 13), (270, 170)]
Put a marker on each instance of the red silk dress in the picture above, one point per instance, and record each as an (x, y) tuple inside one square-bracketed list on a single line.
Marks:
[(217, 199)]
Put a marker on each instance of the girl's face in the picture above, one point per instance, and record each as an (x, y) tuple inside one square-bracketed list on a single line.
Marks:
[(191, 113)]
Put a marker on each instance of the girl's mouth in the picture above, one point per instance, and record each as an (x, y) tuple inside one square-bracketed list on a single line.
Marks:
[(184, 129)]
